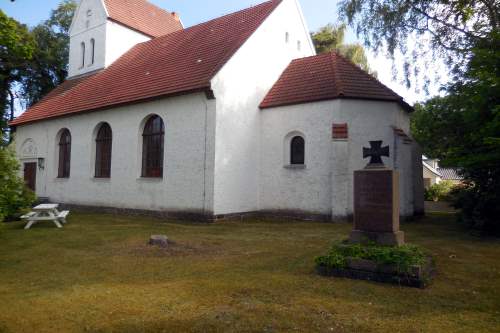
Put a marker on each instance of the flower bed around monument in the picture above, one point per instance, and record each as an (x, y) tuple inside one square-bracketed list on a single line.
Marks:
[(406, 265)]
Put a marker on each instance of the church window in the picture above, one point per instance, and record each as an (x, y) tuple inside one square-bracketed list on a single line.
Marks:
[(82, 46), (297, 150), (299, 45), (152, 148), (103, 144), (92, 50), (287, 37), (64, 154)]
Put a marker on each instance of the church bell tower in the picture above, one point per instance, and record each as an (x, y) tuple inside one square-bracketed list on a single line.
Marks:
[(103, 30)]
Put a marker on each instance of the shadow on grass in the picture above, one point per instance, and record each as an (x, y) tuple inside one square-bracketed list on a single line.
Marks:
[(250, 276)]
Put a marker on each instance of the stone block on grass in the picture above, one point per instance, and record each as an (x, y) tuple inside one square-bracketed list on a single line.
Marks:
[(158, 240)]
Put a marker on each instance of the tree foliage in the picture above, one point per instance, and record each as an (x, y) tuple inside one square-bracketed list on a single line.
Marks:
[(32, 61), (49, 66), (331, 38), (14, 196), (463, 130), (449, 29), (16, 49)]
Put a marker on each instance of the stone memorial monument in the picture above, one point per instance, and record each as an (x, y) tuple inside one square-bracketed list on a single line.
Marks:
[(376, 200), (376, 223)]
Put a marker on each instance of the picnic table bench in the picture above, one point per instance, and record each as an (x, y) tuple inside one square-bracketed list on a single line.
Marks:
[(46, 212)]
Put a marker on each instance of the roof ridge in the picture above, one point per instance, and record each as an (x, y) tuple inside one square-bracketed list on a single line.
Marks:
[(188, 29), (142, 16), (431, 169), (336, 74), (146, 2), (368, 75)]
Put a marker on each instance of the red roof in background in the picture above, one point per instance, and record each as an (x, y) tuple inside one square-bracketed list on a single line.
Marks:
[(143, 16), (181, 62), (324, 77)]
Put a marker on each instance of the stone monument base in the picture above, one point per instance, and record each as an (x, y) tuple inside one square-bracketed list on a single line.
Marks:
[(419, 276), (383, 238)]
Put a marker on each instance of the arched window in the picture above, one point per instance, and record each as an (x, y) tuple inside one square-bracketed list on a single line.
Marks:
[(152, 148), (92, 50), (287, 37), (82, 45), (297, 150), (103, 143), (299, 45), (64, 154)]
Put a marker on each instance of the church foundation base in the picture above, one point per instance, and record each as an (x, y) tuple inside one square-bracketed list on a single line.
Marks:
[(194, 215), (208, 217)]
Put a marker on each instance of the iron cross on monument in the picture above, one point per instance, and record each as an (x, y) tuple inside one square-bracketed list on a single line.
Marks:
[(375, 152)]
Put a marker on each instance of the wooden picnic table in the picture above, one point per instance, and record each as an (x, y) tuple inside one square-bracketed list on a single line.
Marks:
[(46, 212)]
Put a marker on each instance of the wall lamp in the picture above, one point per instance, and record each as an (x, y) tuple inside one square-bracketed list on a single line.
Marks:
[(41, 163)]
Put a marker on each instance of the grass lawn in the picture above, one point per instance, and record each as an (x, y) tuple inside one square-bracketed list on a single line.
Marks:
[(97, 275)]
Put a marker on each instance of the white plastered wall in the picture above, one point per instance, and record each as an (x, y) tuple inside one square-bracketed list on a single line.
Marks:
[(120, 39), (325, 185), (188, 158), (239, 88)]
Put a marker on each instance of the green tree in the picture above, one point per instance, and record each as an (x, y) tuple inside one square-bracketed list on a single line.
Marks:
[(331, 38), (14, 196), (16, 49), (424, 29), (463, 130), (49, 65)]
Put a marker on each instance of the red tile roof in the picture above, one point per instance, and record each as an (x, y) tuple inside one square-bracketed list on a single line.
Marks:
[(143, 16), (181, 62), (324, 77)]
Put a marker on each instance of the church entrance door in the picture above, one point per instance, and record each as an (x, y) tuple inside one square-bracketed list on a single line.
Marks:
[(30, 175)]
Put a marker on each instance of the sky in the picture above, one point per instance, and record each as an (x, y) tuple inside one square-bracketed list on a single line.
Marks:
[(317, 13)]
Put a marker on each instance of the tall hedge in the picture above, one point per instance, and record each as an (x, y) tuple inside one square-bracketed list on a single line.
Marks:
[(15, 197)]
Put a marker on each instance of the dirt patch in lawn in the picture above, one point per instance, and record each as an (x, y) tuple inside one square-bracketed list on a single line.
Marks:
[(174, 249)]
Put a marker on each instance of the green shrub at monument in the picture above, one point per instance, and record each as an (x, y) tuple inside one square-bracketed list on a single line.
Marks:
[(15, 197), (406, 265), (403, 257)]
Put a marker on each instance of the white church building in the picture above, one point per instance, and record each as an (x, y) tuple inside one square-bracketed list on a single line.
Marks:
[(234, 116)]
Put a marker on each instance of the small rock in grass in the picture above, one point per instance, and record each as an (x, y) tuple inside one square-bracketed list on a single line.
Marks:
[(159, 240)]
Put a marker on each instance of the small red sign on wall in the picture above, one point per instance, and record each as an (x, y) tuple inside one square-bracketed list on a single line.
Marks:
[(340, 131)]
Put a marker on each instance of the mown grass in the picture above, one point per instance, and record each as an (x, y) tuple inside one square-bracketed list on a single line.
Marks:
[(97, 275)]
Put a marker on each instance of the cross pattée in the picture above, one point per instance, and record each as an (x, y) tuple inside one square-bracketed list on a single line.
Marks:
[(375, 152)]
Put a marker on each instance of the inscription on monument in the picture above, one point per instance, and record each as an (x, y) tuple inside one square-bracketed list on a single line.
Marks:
[(374, 202)]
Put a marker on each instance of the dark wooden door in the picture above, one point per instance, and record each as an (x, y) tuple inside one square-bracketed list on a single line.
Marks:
[(30, 175)]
